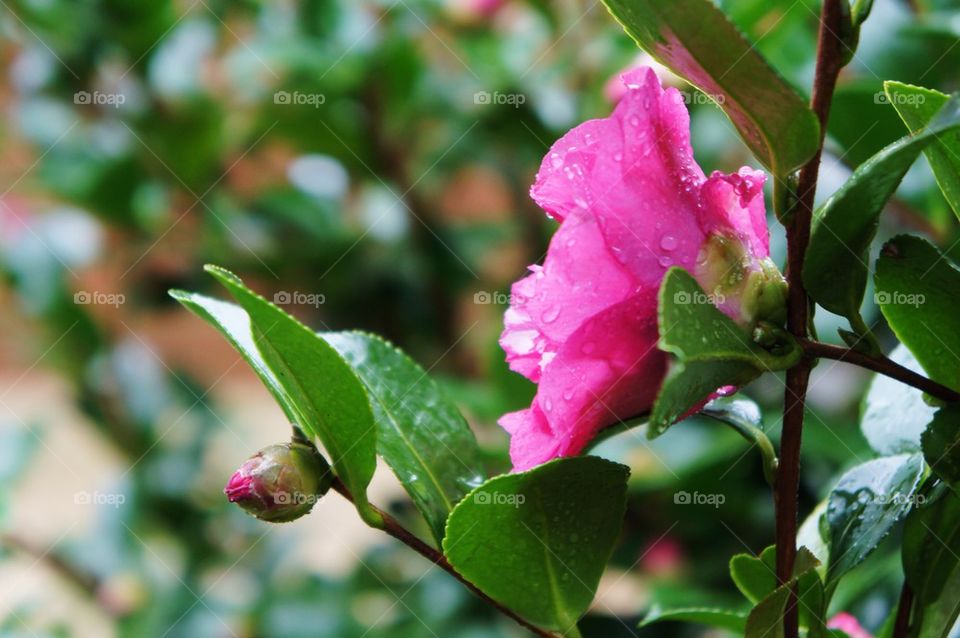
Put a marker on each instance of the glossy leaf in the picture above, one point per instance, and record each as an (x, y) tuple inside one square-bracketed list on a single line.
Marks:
[(941, 445), (835, 269), (917, 106), (420, 433), (710, 350), (734, 621), (328, 396), (538, 541), (697, 42), (917, 291), (894, 413), (865, 505)]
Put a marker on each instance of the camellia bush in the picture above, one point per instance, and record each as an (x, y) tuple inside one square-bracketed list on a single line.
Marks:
[(658, 299)]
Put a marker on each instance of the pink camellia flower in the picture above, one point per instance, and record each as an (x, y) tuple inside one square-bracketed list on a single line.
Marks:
[(632, 202), (848, 624)]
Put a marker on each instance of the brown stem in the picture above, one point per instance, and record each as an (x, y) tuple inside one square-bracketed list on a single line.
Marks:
[(882, 365), (394, 528), (829, 62), (901, 627)]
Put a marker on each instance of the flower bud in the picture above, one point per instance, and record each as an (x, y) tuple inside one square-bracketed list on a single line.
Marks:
[(280, 483), (747, 289)]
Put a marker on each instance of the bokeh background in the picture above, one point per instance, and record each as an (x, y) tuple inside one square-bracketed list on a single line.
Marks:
[(366, 164)]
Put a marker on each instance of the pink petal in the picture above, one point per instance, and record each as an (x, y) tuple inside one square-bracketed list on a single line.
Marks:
[(608, 369), (849, 625), (733, 206), (635, 172), (578, 279)]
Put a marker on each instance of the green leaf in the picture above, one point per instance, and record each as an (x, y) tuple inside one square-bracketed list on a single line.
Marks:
[(730, 620), (941, 445), (234, 324), (697, 42), (894, 413), (931, 545), (538, 541), (327, 395), (865, 505), (420, 433), (711, 350), (917, 291), (917, 106), (766, 618), (755, 576), (938, 618), (835, 269)]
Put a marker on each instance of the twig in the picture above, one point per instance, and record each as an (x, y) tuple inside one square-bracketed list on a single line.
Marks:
[(882, 365), (82, 579), (394, 528), (829, 62)]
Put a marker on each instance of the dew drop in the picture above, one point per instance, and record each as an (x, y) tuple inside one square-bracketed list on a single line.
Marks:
[(556, 160), (665, 261), (668, 242), (550, 315), (548, 405)]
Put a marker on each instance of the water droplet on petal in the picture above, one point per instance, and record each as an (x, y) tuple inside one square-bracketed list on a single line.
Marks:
[(665, 261), (550, 315), (668, 242)]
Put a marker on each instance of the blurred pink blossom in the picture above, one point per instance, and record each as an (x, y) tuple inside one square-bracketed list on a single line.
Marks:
[(848, 624)]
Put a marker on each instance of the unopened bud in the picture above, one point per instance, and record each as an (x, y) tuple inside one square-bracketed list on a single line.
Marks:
[(280, 483), (749, 289)]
